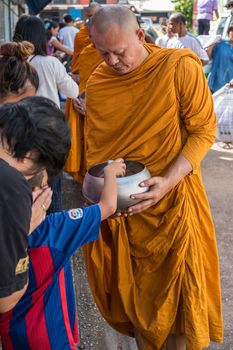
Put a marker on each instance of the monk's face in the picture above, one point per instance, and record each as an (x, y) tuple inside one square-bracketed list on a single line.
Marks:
[(121, 49)]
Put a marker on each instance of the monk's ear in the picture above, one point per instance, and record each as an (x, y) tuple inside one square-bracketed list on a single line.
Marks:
[(140, 34)]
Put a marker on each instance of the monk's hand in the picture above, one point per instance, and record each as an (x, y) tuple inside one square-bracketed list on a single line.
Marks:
[(118, 214), (79, 105), (158, 188)]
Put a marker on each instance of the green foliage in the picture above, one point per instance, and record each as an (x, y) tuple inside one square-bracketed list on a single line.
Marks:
[(185, 7)]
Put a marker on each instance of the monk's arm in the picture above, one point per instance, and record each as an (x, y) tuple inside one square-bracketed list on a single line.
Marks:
[(198, 117), (177, 171), (196, 111), (161, 185)]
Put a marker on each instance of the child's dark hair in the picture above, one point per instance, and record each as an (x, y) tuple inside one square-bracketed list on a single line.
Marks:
[(36, 124), (31, 28), (48, 25), (15, 71)]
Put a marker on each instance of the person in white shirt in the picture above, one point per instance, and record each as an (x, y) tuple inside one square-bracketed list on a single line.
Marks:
[(163, 40), (52, 74), (67, 33), (184, 39), (55, 48)]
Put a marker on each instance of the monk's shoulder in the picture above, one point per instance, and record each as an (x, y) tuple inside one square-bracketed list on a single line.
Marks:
[(184, 56), (187, 63), (166, 60)]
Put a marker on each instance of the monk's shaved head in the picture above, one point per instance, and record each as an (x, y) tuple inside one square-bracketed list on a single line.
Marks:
[(92, 8), (93, 4), (114, 15), (115, 33)]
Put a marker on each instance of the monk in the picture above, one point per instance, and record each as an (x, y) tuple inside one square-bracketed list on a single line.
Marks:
[(154, 272), (85, 59), (82, 38)]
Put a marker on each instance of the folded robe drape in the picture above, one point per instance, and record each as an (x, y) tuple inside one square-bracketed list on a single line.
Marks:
[(81, 40), (89, 59), (157, 271)]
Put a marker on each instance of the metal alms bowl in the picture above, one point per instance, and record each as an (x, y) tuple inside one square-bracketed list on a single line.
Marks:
[(126, 186)]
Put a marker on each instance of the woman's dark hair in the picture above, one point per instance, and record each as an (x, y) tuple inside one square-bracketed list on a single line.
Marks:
[(32, 29), (67, 19), (48, 25), (15, 71), (230, 29), (36, 124)]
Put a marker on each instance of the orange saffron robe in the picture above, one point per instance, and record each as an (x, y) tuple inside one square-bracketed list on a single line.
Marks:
[(89, 59), (157, 271), (81, 40)]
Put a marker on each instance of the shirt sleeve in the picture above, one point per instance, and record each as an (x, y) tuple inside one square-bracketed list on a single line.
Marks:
[(65, 84), (68, 230), (201, 53), (196, 110), (15, 216), (60, 34)]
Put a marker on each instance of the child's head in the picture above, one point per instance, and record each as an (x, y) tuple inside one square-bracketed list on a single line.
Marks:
[(18, 78), (35, 134), (52, 28)]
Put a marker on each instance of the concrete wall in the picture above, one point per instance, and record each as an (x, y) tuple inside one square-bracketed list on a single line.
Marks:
[(9, 14)]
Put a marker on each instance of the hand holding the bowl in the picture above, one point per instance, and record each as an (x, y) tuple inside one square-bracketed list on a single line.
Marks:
[(159, 187), (129, 175)]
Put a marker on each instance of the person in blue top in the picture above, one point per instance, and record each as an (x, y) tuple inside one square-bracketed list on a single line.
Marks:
[(222, 62), (45, 317)]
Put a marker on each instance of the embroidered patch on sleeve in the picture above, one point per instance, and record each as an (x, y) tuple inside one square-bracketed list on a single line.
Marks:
[(75, 214), (22, 265)]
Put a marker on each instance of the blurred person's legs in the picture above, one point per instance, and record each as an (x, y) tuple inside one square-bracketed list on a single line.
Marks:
[(175, 342), (138, 340), (203, 27)]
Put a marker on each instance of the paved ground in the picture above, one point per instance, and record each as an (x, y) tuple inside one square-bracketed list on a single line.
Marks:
[(217, 173)]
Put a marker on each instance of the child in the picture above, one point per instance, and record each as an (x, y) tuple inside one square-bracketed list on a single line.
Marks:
[(45, 316)]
